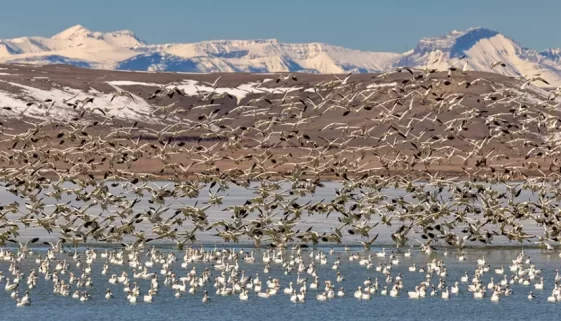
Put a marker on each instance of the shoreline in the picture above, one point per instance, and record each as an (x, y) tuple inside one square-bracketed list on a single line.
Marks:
[(238, 246), (458, 175)]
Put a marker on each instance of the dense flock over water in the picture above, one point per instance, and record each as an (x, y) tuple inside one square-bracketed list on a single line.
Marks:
[(401, 179)]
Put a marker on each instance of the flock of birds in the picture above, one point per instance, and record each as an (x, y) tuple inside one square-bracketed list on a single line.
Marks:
[(82, 180), (144, 275)]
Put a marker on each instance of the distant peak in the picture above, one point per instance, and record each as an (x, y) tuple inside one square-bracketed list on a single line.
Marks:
[(472, 36), (124, 32), (456, 42), (73, 31), (473, 30), (552, 53)]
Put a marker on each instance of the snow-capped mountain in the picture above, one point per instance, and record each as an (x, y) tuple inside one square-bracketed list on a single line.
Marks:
[(122, 50), (481, 47)]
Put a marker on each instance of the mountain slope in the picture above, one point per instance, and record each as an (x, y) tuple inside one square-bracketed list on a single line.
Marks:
[(122, 50), (482, 47)]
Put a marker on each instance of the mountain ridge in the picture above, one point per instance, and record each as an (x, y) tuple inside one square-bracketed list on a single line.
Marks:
[(123, 50)]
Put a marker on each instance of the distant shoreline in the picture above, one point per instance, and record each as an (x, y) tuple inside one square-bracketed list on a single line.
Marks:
[(460, 175), (239, 246)]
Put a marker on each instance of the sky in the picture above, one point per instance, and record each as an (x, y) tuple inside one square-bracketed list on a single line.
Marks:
[(392, 25)]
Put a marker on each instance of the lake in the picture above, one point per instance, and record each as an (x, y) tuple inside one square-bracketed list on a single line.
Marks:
[(47, 306)]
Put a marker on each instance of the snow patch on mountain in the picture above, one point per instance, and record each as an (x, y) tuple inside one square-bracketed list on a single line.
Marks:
[(123, 50)]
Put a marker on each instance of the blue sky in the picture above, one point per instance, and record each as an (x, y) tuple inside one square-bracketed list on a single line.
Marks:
[(394, 25)]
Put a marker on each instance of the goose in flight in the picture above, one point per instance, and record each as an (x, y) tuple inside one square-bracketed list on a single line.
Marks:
[(24, 247), (344, 80), (122, 93), (533, 79), (213, 85), (497, 63)]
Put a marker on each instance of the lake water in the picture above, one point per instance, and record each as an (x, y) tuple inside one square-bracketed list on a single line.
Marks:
[(47, 306)]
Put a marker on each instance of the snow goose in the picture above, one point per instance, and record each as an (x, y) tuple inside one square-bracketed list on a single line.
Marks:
[(455, 289), (445, 294), (10, 287), (205, 297), (243, 295), (408, 253), (479, 293), (341, 292), (301, 296), (497, 63), (496, 296), (20, 303), (150, 296), (491, 284), (289, 289), (384, 290), (539, 286), (294, 297), (321, 297), (265, 294), (433, 291), (250, 258), (26, 298), (365, 295), (358, 293), (414, 294), (500, 271), (340, 278), (394, 292)]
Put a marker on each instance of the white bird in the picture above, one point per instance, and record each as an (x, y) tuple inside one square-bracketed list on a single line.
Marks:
[(524, 85), (243, 295), (495, 297), (205, 297), (414, 294), (10, 287), (445, 294), (148, 298), (497, 63)]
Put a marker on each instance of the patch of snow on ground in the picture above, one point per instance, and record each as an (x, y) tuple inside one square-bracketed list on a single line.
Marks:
[(121, 107), (132, 83), (193, 88), (391, 84)]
